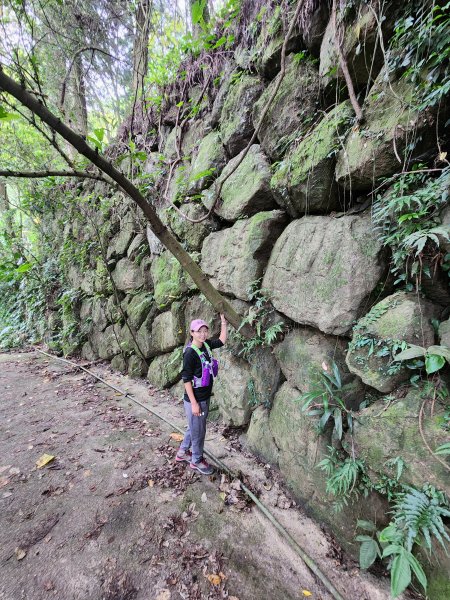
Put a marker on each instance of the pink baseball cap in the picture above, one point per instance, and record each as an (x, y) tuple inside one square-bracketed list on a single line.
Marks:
[(196, 324)]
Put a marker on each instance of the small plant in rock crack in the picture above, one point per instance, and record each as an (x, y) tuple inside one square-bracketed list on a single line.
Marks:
[(346, 478), (326, 400), (261, 317)]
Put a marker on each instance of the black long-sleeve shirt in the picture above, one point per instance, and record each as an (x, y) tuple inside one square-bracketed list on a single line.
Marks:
[(192, 366)]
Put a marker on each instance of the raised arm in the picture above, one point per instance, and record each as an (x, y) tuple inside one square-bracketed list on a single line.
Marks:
[(223, 329)]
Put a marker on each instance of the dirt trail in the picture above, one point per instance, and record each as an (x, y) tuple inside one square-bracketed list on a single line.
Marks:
[(112, 517)]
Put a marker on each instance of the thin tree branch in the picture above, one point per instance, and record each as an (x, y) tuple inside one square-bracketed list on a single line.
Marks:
[(344, 66), (48, 173)]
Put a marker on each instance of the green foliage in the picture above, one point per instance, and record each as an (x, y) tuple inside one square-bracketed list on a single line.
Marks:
[(416, 520), (261, 317), (346, 478), (326, 400), (435, 356), (406, 221), (420, 49)]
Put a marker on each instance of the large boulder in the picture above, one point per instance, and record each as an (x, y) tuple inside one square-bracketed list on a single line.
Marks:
[(165, 370), (191, 234), (162, 333), (265, 375), (259, 437), (128, 275), (322, 270), (360, 46), (119, 244), (186, 140), (169, 279), (292, 109), (105, 344), (303, 181), (207, 164), (384, 433), (231, 389), (245, 191), (138, 308), (301, 356), (391, 120), (235, 258), (137, 366), (400, 318), (156, 247), (289, 436), (236, 124)]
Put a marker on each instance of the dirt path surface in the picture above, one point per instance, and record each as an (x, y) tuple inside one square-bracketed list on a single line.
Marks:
[(112, 517)]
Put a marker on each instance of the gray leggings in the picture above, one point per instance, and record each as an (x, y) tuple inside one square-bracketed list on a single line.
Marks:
[(196, 431)]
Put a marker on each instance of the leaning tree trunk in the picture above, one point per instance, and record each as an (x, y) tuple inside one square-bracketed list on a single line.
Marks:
[(221, 304)]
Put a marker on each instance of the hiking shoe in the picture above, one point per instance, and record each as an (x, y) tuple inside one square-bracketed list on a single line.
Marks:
[(183, 456), (202, 467)]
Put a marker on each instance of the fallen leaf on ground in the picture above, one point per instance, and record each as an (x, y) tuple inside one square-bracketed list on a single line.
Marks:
[(20, 553), (14, 471), (204, 497), (5, 468), (306, 593), (163, 595), (4, 481), (44, 460), (177, 437), (214, 579)]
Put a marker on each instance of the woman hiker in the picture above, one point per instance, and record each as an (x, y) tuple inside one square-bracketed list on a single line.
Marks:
[(199, 370)]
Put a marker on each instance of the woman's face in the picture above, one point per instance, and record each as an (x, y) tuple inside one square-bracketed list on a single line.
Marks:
[(198, 337)]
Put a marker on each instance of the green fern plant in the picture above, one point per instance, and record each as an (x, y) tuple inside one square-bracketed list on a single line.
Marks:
[(416, 519), (325, 399), (346, 478)]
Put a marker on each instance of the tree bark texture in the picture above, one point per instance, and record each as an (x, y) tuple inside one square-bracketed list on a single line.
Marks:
[(140, 47)]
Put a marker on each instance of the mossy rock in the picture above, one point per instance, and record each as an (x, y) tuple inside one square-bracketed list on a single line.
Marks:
[(391, 119), (137, 367), (169, 278), (191, 234), (119, 244), (444, 333), (207, 164), (360, 47), (259, 437), (138, 308), (292, 110), (301, 355), (236, 126), (234, 258), (231, 391), (165, 370), (162, 333), (322, 270), (382, 433), (401, 317), (246, 191), (303, 182), (128, 275), (119, 363)]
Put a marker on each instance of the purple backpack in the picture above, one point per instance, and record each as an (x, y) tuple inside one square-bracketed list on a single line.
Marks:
[(210, 366)]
